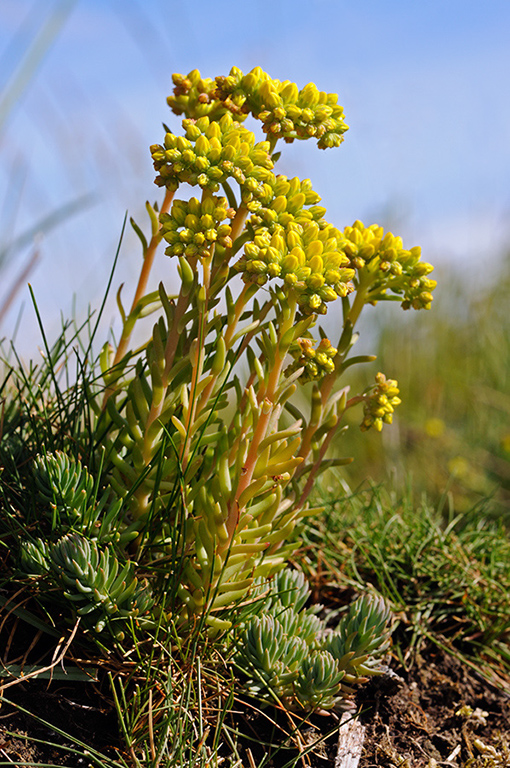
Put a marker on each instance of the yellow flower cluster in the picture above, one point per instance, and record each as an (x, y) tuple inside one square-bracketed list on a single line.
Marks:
[(382, 258), (195, 96), (308, 259), (316, 362), (380, 403), (209, 153), (192, 228), (285, 111), (285, 203)]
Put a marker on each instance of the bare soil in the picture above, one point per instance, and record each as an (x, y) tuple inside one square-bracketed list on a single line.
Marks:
[(440, 712)]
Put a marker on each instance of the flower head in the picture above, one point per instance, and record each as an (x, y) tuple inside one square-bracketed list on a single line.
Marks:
[(194, 96), (192, 228), (211, 152), (379, 403), (307, 259), (316, 362), (382, 260), (284, 110), (287, 202)]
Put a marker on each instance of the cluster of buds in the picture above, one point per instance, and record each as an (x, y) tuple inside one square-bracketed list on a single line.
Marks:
[(193, 228), (211, 152), (379, 404), (389, 265), (316, 362), (195, 97), (284, 110), (308, 259), (286, 205)]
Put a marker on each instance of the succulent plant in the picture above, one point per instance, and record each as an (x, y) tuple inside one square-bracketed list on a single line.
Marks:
[(204, 441), (284, 648), (100, 587), (68, 495)]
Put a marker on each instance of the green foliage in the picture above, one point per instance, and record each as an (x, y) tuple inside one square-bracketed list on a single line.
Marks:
[(446, 580), (64, 484), (93, 579)]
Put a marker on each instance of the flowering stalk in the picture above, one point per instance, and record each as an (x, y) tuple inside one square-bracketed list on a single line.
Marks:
[(207, 431), (149, 254)]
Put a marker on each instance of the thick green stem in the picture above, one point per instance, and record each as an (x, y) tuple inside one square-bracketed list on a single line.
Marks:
[(317, 465), (199, 363), (267, 401), (352, 317), (238, 222)]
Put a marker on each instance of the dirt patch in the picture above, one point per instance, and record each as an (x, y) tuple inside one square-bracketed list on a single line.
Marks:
[(77, 710), (439, 713)]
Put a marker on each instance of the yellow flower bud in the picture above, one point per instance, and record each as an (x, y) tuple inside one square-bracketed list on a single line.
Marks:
[(272, 254), (191, 221), (293, 112), (289, 91), (293, 240), (316, 281), (278, 243), (315, 248), (328, 293), (224, 230), (186, 235), (202, 145), (182, 143), (309, 95), (250, 81), (194, 76), (299, 254), (279, 204), (315, 263), (290, 263), (296, 202)]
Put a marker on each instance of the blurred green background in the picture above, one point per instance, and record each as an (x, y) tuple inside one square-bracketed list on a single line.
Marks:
[(452, 431)]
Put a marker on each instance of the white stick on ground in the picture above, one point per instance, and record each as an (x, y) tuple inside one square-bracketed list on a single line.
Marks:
[(350, 741)]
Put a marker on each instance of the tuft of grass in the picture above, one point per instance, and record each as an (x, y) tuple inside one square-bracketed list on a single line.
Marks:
[(446, 575)]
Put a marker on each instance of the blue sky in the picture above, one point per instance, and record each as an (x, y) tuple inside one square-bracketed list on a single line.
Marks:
[(424, 87)]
